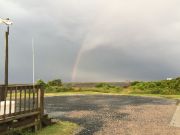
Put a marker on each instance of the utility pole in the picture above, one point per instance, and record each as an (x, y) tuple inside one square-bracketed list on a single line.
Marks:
[(6, 57), (7, 22)]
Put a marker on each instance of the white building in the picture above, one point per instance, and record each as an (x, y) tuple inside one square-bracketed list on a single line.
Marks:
[(169, 78)]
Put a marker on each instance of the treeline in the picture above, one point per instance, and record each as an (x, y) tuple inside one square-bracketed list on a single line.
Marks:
[(166, 87), (157, 87), (57, 86), (54, 86)]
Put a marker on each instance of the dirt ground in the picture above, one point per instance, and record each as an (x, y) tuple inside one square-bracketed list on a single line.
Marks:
[(115, 115)]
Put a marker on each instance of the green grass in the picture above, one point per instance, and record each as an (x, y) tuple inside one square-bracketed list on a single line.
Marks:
[(60, 128), (166, 89), (100, 93)]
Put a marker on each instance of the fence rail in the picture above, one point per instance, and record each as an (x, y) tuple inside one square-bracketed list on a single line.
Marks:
[(21, 99)]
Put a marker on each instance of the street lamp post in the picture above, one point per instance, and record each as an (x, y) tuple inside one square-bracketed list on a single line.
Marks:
[(7, 22), (6, 56)]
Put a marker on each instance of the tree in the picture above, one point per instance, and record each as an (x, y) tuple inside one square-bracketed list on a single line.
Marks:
[(42, 83), (56, 82)]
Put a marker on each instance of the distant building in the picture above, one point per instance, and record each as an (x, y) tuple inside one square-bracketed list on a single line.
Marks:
[(169, 79)]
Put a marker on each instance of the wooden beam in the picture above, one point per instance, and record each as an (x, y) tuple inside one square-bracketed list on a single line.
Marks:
[(18, 117)]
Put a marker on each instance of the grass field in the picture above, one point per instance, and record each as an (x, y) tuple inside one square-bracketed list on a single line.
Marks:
[(120, 93)]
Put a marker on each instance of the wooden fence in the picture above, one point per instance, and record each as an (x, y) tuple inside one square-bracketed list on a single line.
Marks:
[(21, 101)]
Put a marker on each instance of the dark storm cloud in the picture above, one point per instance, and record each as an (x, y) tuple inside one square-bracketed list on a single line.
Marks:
[(113, 64), (120, 40)]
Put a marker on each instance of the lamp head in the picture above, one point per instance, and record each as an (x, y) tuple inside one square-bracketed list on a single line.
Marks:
[(6, 21)]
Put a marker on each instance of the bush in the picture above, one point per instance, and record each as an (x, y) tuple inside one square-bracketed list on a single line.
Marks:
[(105, 85), (134, 83), (52, 89), (107, 88), (42, 83), (56, 82), (156, 91), (158, 87), (100, 85)]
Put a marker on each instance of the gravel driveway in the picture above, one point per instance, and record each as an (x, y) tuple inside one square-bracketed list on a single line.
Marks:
[(115, 115)]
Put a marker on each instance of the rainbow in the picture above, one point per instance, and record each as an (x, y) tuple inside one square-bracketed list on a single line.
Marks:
[(77, 61), (87, 45)]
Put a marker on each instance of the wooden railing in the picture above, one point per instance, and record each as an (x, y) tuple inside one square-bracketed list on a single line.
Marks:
[(21, 99)]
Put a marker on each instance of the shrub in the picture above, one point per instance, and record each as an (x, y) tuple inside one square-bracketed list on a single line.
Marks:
[(56, 82), (156, 91), (105, 86), (52, 89), (134, 83), (159, 87), (42, 83), (100, 85)]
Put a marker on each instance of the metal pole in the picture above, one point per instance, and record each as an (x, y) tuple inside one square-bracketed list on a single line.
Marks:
[(33, 61), (6, 57)]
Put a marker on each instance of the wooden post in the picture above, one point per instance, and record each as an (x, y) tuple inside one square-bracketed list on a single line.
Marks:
[(2, 93), (3, 90), (42, 106), (6, 57), (42, 100), (40, 96)]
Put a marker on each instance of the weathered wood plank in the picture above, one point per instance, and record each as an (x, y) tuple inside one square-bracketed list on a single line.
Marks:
[(8, 119)]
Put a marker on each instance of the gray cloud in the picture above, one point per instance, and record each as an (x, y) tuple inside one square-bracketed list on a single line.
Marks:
[(120, 40)]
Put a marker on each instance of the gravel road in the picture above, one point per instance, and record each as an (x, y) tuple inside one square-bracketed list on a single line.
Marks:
[(115, 115)]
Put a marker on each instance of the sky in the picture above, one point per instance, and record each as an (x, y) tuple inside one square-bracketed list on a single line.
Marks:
[(91, 40)]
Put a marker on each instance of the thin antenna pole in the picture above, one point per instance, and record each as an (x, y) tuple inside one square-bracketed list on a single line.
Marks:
[(6, 57), (33, 61), (33, 72)]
